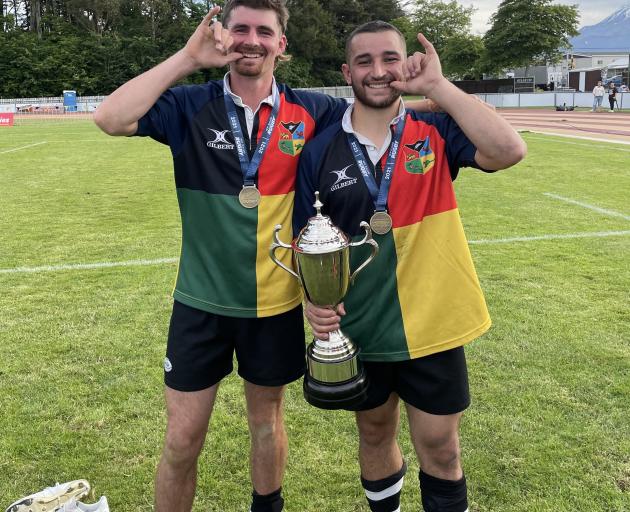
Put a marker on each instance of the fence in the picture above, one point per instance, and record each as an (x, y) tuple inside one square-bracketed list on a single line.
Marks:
[(47, 106), (87, 104), (551, 99)]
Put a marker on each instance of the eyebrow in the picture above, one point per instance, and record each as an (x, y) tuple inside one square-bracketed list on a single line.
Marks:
[(386, 54), (257, 27)]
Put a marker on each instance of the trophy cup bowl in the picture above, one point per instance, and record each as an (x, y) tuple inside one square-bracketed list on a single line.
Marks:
[(335, 378)]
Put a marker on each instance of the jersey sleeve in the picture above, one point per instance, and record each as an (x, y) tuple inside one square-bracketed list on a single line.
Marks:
[(460, 151), (166, 121)]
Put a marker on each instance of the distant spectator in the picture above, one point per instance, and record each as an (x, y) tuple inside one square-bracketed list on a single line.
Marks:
[(612, 96), (598, 96)]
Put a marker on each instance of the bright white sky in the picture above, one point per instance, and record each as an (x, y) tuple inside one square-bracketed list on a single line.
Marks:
[(591, 11)]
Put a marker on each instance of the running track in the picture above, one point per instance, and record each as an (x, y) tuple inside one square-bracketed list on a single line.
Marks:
[(609, 126)]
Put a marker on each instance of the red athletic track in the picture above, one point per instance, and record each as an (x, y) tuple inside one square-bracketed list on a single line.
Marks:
[(613, 126)]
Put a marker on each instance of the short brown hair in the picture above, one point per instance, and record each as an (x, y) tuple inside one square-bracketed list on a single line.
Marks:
[(372, 27), (278, 6)]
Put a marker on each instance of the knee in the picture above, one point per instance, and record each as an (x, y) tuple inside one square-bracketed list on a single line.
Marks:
[(182, 448), (267, 424), (441, 451), (377, 433)]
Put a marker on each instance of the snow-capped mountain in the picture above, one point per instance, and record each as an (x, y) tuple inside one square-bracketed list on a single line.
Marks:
[(612, 33)]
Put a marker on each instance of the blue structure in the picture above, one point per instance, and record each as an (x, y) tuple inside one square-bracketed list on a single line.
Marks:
[(70, 101)]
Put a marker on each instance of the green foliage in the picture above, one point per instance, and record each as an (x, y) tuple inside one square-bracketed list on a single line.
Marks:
[(461, 58), (438, 21), (94, 46), (526, 32)]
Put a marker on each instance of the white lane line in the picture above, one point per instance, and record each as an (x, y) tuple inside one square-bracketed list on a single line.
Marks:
[(23, 147), (140, 263), (607, 148), (549, 237), (87, 266), (597, 209)]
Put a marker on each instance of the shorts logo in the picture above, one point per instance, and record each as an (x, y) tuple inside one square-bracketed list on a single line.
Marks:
[(343, 180), (220, 141), (291, 137), (419, 157), (167, 365)]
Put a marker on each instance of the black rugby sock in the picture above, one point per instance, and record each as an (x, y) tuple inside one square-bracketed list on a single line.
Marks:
[(443, 495), (384, 495), (267, 502)]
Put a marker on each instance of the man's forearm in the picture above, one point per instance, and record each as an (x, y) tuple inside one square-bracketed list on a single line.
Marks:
[(120, 111)]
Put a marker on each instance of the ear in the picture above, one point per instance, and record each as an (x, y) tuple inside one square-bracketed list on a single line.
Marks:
[(282, 47), (345, 69)]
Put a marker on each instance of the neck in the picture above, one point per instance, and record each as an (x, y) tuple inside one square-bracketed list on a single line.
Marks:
[(373, 123), (251, 89)]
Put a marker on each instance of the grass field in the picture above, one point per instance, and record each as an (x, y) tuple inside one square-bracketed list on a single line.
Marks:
[(83, 342)]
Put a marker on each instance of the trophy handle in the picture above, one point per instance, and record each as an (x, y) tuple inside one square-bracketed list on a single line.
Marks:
[(367, 239), (277, 244)]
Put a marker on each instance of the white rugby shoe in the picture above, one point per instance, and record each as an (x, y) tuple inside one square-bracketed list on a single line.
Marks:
[(51, 498), (76, 506)]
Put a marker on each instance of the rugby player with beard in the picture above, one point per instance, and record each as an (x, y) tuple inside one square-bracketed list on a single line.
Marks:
[(418, 302), (229, 296)]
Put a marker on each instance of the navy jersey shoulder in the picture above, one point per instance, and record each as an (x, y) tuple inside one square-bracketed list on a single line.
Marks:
[(169, 118), (325, 110)]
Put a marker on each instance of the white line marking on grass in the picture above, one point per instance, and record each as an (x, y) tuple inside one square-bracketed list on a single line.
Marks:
[(160, 261), (551, 134), (86, 266), (23, 147), (549, 237), (597, 209)]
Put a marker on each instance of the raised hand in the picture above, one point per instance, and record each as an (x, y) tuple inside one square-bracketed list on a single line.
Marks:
[(424, 71), (209, 46)]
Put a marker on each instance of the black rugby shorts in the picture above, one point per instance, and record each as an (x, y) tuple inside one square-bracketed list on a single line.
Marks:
[(270, 351), (435, 384)]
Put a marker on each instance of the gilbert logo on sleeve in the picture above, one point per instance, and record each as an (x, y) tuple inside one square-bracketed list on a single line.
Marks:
[(6, 119)]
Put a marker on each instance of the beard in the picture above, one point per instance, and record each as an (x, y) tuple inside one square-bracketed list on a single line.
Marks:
[(361, 95), (247, 67)]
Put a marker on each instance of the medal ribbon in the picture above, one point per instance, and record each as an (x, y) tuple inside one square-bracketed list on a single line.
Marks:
[(249, 169), (379, 195)]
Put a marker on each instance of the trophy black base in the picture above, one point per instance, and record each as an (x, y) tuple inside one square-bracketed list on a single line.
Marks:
[(332, 396)]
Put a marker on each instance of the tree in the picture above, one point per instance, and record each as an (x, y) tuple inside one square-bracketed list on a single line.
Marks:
[(526, 32), (462, 57), (438, 21)]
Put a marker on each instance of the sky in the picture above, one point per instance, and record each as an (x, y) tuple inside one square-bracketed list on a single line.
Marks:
[(591, 11)]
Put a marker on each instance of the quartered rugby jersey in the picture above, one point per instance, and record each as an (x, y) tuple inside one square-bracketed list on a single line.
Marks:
[(224, 265), (420, 295)]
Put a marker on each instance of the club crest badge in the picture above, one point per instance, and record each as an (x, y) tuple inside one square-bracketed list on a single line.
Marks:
[(291, 137), (419, 157)]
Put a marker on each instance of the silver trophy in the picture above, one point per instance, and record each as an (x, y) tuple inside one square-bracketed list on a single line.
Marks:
[(335, 378)]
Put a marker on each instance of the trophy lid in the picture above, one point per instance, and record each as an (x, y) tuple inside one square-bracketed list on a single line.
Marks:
[(320, 235)]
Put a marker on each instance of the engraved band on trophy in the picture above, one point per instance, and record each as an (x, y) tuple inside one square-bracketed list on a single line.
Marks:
[(335, 378)]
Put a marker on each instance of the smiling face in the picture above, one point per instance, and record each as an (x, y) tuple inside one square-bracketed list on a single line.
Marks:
[(374, 60), (258, 36)]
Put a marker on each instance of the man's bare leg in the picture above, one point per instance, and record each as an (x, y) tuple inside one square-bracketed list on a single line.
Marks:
[(188, 418), (269, 445)]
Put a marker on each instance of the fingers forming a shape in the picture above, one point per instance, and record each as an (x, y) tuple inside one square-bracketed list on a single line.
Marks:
[(211, 14), (428, 46)]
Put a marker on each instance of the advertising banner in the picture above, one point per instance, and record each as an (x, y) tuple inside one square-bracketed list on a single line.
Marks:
[(6, 119)]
